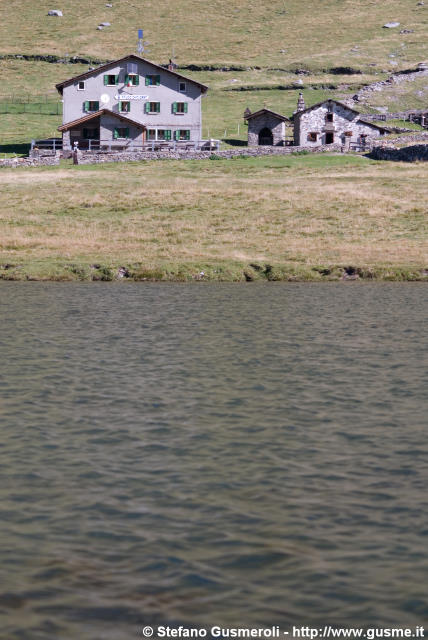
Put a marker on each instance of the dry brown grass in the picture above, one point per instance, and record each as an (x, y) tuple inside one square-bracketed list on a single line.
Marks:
[(300, 210)]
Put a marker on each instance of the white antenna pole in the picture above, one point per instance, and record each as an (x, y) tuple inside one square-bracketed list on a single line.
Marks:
[(140, 46)]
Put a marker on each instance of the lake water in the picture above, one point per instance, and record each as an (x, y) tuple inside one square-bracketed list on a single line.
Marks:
[(249, 455)]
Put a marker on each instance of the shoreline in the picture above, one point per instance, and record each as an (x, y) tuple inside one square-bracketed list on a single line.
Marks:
[(209, 272)]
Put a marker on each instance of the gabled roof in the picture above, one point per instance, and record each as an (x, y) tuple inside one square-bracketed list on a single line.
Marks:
[(96, 114), (260, 111), (319, 104), (375, 126), (60, 86)]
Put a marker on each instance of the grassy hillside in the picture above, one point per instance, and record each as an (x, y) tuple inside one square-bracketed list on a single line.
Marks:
[(305, 216), (279, 33)]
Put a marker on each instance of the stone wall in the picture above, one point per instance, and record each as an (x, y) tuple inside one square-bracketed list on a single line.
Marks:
[(42, 161), (252, 152), (415, 153)]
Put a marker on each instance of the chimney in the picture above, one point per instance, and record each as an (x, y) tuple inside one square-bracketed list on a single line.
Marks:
[(171, 65), (300, 103)]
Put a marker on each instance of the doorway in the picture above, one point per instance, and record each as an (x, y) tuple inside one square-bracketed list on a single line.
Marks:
[(266, 137), (329, 138)]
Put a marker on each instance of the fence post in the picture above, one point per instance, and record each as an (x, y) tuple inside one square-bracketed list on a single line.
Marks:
[(54, 148)]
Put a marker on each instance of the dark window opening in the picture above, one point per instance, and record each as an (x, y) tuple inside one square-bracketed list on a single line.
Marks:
[(329, 117)]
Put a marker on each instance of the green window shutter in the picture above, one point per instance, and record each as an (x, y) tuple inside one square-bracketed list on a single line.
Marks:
[(174, 107), (146, 107), (157, 107), (86, 105), (185, 107), (96, 105), (127, 132), (157, 78), (188, 134), (126, 79), (176, 135), (116, 79), (105, 79), (147, 81), (168, 134), (137, 80), (115, 133)]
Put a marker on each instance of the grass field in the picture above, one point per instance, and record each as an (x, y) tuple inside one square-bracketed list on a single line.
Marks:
[(280, 33), (303, 217)]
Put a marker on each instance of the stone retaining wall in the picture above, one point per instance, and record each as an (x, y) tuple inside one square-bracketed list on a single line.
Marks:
[(30, 162), (415, 153), (252, 152)]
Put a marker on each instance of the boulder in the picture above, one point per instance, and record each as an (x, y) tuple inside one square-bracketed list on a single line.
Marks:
[(104, 24), (55, 12), (391, 25)]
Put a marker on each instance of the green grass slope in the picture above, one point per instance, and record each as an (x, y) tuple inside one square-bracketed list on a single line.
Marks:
[(279, 33)]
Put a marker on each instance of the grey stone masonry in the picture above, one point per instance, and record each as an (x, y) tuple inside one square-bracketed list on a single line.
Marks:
[(34, 161), (332, 122), (266, 128), (254, 152)]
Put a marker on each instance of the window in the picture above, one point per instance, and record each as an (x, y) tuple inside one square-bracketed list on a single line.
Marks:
[(182, 134), (159, 134), (164, 134), (92, 105), (152, 107), (110, 80), (179, 107), (329, 117), (81, 85), (132, 80), (125, 106), (131, 67), (90, 134), (152, 81), (182, 87), (312, 136), (120, 132)]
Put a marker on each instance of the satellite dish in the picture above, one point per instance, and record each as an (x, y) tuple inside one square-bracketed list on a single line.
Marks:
[(105, 98)]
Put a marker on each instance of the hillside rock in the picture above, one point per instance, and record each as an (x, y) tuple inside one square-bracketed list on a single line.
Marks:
[(391, 25), (55, 12)]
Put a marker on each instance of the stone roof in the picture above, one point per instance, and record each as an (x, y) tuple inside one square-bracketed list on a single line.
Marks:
[(60, 86), (319, 104), (261, 111), (375, 126), (96, 114)]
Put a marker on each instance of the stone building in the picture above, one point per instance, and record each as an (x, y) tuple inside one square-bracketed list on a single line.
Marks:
[(332, 122), (128, 102), (265, 127)]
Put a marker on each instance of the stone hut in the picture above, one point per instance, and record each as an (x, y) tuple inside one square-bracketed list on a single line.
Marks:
[(265, 127), (332, 122)]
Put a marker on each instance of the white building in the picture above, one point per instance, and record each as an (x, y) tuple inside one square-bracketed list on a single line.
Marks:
[(128, 102)]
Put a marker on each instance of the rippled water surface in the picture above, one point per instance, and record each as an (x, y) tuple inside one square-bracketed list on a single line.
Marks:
[(211, 454)]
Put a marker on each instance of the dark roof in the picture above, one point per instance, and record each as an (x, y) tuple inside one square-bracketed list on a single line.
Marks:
[(96, 114), (318, 104), (260, 111), (132, 56)]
